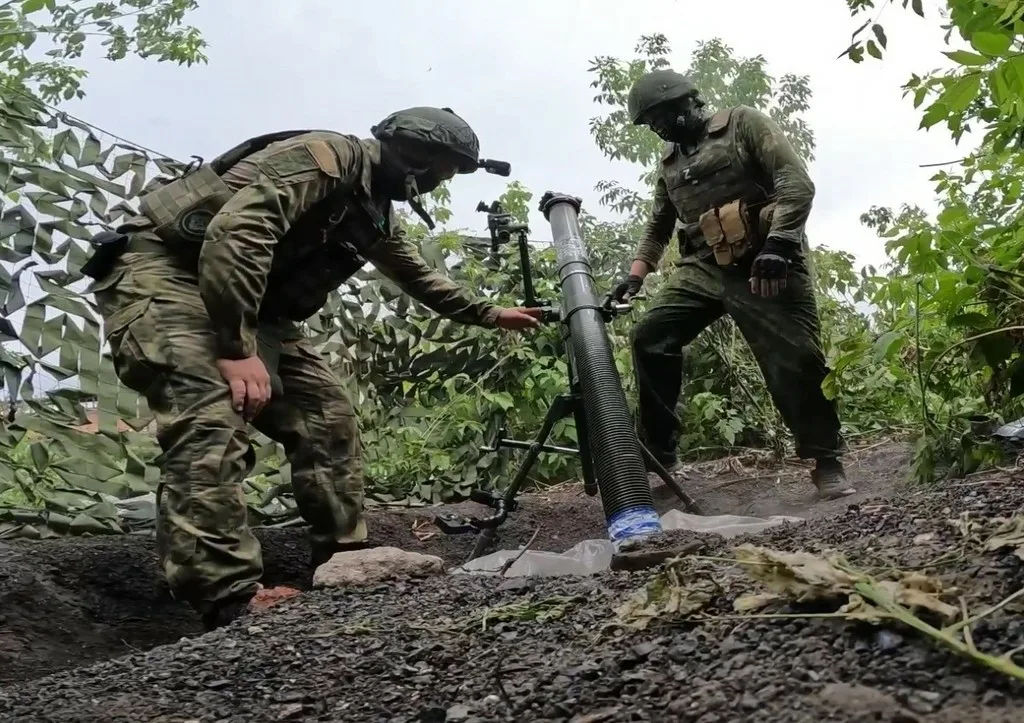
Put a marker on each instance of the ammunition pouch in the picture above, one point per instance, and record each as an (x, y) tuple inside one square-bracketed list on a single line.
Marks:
[(107, 248), (732, 231), (183, 209)]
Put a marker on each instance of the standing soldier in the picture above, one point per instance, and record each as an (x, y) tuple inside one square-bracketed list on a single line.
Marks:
[(201, 295), (742, 197)]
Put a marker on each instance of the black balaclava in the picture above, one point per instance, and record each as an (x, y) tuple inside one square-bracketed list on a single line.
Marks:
[(400, 177), (682, 121)]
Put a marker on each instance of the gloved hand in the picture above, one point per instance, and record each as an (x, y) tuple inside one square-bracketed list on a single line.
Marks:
[(627, 289), (770, 269)]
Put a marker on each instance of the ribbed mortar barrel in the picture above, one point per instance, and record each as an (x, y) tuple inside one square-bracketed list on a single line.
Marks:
[(618, 461)]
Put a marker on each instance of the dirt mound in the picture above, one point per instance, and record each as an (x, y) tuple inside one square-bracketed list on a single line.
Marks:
[(70, 602), (469, 648)]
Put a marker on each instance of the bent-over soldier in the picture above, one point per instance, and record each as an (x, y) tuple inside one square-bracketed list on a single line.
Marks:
[(201, 295)]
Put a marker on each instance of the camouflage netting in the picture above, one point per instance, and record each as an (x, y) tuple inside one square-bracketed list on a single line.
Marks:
[(58, 473)]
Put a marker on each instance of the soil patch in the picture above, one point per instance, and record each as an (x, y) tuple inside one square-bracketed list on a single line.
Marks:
[(755, 486), (74, 601), (468, 649)]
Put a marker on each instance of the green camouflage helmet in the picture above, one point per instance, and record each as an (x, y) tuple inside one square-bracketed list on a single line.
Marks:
[(655, 88), (437, 127)]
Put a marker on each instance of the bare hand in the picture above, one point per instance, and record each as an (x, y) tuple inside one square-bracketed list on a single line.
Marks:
[(249, 383), (518, 319)]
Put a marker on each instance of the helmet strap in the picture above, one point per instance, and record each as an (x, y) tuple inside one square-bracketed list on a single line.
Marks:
[(412, 197)]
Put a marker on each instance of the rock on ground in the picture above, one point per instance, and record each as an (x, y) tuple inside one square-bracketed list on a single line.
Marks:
[(375, 565), (473, 648)]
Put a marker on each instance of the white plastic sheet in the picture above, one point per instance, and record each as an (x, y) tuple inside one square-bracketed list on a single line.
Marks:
[(593, 556)]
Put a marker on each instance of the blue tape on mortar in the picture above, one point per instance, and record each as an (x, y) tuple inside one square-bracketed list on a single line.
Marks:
[(633, 522)]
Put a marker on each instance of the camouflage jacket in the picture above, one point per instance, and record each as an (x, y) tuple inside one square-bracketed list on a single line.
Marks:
[(745, 153), (253, 266)]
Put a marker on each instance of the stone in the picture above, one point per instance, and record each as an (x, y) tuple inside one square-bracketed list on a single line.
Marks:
[(374, 565)]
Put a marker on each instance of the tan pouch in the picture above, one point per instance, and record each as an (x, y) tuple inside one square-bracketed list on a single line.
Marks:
[(733, 218), (714, 236), (181, 210), (727, 232)]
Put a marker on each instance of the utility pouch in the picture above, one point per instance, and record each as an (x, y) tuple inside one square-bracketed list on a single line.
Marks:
[(107, 248), (181, 210), (727, 232)]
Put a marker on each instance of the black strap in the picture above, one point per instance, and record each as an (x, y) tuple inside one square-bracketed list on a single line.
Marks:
[(246, 148)]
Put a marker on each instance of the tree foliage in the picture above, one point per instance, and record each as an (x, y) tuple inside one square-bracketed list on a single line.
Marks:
[(40, 40), (950, 301)]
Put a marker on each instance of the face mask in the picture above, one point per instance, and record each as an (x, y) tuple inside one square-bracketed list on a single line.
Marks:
[(681, 122), (397, 181)]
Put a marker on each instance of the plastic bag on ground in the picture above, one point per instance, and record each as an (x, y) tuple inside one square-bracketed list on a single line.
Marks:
[(593, 556), (724, 525)]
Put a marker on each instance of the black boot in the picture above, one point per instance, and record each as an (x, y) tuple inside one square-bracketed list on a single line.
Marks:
[(224, 612), (829, 477)]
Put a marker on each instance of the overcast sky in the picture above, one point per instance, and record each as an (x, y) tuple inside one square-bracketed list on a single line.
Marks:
[(517, 71)]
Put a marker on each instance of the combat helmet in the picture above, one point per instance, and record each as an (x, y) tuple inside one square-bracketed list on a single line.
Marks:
[(433, 128), (655, 88)]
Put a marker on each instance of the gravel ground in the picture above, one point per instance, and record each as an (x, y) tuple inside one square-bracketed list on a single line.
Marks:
[(73, 601), (469, 649)]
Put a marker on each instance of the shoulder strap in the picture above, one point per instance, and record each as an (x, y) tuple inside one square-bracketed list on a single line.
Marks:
[(246, 148), (719, 121)]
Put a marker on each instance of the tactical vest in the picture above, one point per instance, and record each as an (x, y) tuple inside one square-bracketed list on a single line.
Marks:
[(316, 255), (325, 250), (713, 176)]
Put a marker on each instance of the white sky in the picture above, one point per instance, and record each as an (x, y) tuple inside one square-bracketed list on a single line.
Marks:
[(517, 71)]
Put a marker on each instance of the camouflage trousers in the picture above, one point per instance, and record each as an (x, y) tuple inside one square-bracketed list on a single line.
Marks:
[(162, 346), (783, 334)]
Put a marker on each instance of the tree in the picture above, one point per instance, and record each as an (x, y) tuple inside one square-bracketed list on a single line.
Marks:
[(723, 79), (147, 28), (954, 292)]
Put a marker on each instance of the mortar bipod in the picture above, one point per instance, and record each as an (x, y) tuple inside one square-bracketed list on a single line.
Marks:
[(561, 407)]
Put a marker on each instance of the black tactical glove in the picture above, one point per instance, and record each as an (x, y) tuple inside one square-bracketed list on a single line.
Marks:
[(629, 288), (770, 268)]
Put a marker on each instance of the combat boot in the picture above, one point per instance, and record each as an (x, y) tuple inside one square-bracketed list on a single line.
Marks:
[(829, 477)]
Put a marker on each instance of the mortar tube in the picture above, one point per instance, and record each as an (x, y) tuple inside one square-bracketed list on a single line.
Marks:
[(618, 460)]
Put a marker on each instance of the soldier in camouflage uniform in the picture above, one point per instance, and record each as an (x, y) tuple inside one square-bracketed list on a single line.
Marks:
[(201, 310), (742, 196)]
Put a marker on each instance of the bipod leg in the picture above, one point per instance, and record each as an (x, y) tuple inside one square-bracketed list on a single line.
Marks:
[(688, 502), (484, 539), (561, 407)]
